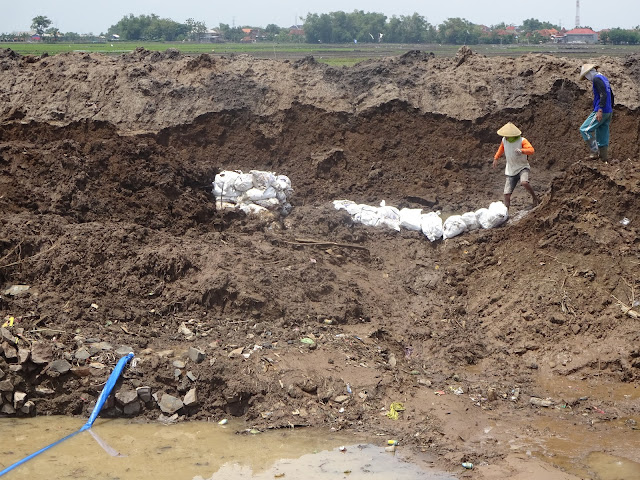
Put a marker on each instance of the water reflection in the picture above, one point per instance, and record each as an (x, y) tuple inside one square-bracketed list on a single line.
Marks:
[(193, 450)]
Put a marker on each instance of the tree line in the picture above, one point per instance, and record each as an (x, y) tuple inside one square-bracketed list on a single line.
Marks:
[(335, 27)]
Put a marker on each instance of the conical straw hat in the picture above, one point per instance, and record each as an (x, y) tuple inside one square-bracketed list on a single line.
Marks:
[(509, 130), (585, 69)]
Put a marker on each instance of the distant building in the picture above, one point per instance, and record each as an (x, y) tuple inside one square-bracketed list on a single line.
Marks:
[(296, 30), (211, 36), (250, 35), (581, 35)]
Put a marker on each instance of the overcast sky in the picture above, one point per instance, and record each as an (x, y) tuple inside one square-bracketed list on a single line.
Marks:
[(82, 16)]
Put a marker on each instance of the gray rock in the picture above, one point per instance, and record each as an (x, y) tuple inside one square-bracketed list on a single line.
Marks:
[(8, 409), (82, 354), (29, 408), (41, 353), (23, 355), (178, 364), (170, 404), (18, 400), (341, 398), (144, 393), (6, 386), (124, 350), (1, 374), (60, 366), (124, 398), (10, 352), (196, 355), (191, 399), (191, 376), (132, 408), (17, 290), (7, 336)]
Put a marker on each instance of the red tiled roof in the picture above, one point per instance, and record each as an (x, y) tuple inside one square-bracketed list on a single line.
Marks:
[(581, 31)]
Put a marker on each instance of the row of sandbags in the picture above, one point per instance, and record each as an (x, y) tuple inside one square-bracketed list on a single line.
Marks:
[(253, 193), (430, 224)]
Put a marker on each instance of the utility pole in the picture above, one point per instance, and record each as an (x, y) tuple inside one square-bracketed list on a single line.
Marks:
[(577, 13)]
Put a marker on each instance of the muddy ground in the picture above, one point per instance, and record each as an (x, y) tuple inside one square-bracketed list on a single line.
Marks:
[(106, 212)]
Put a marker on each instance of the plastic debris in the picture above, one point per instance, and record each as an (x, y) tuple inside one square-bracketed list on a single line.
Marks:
[(394, 409), (224, 421), (625, 221), (8, 323), (467, 465), (392, 442)]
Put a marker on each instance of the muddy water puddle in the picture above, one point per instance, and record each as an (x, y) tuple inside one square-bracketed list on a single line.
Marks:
[(195, 450), (605, 445)]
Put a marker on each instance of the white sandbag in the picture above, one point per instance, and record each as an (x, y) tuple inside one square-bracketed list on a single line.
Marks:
[(252, 209), (471, 221), (281, 195), (453, 226), (224, 184), (410, 218), (255, 194), (282, 183), (389, 216), (354, 208), (226, 177), (244, 182), (368, 216), (270, 203), (431, 225), (342, 204), (262, 180), (495, 215), (225, 192), (222, 205)]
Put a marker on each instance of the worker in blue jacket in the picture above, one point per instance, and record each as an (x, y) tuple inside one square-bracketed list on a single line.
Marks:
[(595, 129)]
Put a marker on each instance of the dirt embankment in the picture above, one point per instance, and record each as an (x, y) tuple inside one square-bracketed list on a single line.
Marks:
[(107, 215)]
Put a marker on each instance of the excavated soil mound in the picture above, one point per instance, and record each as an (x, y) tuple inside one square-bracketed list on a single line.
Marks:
[(107, 215)]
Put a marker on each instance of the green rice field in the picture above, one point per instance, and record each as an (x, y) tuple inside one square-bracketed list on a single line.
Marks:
[(336, 55)]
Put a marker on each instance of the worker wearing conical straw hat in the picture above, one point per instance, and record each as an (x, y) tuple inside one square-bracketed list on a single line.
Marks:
[(595, 129), (516, 149)]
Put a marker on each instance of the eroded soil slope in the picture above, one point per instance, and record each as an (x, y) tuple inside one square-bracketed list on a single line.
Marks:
[(106, 213)]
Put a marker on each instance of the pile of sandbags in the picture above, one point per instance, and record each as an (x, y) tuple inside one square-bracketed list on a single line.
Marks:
[(253, 193), (430, 224)]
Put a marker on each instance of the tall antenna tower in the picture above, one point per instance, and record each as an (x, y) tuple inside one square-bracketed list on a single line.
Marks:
[(577, 13)]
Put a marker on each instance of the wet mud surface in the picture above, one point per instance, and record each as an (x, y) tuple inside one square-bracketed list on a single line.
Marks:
[(106, 213)]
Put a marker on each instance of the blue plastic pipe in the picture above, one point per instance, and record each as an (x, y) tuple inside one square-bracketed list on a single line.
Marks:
[(111, 381)]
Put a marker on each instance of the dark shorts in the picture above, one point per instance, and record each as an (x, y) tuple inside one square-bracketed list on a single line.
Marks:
[(512, 180)]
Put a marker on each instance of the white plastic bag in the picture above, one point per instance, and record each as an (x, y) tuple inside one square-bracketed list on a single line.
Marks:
[(431, 225), (453, 226)]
